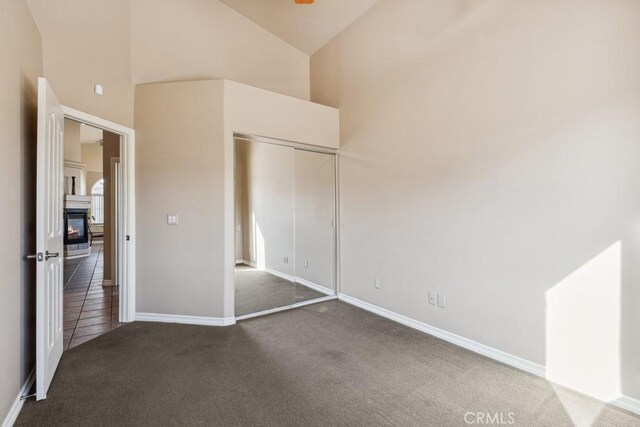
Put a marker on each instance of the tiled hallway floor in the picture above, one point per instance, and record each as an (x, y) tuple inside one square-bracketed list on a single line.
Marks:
[(90, 309)]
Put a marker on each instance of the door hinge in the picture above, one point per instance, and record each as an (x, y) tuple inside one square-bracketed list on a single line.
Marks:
[(127, 238)]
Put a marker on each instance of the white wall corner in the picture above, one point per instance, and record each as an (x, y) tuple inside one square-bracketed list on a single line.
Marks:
[(186, 320), (15, 409)]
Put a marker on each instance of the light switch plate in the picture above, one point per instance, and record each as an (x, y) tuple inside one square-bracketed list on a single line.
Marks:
[(172, 219), (442, 301)]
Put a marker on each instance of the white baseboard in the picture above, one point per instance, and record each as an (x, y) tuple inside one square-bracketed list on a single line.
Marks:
[(287, 307), (187, 320), (625, 402), (290, 278), (501, 356), (279, 274), (268, 270), (15, 409), (315, 286)]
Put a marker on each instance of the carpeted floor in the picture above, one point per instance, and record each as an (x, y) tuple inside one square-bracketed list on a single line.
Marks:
[(327, 364), (258, 291)]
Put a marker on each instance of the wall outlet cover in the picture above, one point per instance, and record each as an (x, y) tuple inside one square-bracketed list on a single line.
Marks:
[(433, 298)]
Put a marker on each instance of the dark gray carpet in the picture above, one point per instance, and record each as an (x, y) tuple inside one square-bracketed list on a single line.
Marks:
[(327, 364), (258, 291)]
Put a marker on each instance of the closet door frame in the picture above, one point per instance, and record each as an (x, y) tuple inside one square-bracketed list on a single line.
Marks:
[(336, 208)]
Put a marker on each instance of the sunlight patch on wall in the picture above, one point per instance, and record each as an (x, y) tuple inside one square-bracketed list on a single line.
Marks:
[(583, 333), (258, 245)]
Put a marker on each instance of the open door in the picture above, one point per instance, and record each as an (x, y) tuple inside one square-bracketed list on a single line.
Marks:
[(49, 237)]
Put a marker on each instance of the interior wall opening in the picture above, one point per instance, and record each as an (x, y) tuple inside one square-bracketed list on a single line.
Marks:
[(92, 179)]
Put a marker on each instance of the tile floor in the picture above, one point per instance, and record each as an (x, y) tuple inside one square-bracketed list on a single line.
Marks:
[(90, 309)]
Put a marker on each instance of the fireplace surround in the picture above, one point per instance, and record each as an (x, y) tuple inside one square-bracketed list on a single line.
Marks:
[(76, 226)]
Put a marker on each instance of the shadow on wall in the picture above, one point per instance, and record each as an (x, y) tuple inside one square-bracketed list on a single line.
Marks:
[(29, 109), (583, 334)]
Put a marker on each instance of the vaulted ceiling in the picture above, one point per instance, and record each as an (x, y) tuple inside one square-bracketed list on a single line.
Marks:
[(306, 27)]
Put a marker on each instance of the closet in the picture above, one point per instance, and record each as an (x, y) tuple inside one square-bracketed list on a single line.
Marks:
[(285, 210)]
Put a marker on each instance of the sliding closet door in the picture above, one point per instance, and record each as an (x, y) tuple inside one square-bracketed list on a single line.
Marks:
[(315, 256), (265, 190)]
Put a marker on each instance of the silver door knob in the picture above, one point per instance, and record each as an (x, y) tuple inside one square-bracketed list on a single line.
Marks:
[(48, 255)]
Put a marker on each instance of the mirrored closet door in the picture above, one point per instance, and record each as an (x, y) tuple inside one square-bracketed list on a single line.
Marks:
[(285, 226), (265, 242), (314, 225)]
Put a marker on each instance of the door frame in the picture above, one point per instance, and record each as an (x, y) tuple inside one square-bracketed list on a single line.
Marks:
[(126, 234), (116, 190)]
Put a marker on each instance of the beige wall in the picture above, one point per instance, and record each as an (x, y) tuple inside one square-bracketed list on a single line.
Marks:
[(255, 111), (20, 50), (489, 151), (72, 148), (110, 150), (87, 42), (73, 159), (185, 165), (120, 43), (179, 169), (92, 178), (205, 39), (92, 157)]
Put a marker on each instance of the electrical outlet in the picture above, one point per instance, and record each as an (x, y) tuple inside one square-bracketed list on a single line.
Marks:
[(306, 263), (433, 297), (376, 283), (285, 259), (442, 301)]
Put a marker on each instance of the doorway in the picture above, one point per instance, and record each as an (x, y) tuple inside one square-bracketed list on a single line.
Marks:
[(121, 162), (285, 210), (91, 211)]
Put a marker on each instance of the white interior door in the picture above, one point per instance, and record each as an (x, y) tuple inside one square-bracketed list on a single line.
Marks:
[(49, 237)]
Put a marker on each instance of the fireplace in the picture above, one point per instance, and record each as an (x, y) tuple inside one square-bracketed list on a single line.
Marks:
[(76, 225)]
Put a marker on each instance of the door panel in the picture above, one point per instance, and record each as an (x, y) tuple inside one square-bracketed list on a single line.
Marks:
[(49, 237), (314, 225), (265, 213)]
